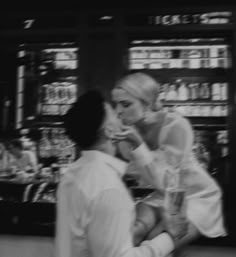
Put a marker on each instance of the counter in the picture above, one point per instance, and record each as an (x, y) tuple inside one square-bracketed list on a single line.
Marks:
[(34, 213)]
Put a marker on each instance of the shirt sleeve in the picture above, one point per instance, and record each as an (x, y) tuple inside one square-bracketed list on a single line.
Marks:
[(154, 165), (110, 230)]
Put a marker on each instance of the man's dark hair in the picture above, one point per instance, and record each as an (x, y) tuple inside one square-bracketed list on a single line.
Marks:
[(84, 119)]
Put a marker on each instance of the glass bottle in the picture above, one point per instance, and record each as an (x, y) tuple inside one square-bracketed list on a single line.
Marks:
[(175, 200), (183, 92)]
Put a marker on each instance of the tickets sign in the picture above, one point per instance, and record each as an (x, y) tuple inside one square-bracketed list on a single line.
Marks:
[(181, 19)]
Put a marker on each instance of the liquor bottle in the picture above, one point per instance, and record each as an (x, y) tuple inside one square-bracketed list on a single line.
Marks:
[(216, 111), (216, 91), (204, 91), (194, 90), (194, 56), (223, 91), (182, 92), (136, 65), (163, 89), (222, 63), (172, 94), (175, 198), (224, 110), (185, 64), (132, 54), (213, 51), (222, 52), (154, 54), (205, 53)]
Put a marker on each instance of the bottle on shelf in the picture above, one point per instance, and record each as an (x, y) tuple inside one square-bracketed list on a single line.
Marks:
[(204, 91), (172, 94), (183, 92), (216, 92), (224, 91), (163, 89), (193, 91), (216, 111)]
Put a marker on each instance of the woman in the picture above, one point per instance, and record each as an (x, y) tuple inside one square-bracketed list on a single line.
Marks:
[(159, 144)]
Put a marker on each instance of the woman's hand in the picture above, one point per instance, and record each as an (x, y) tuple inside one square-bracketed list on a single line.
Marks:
[(177, 227), (129, 134)]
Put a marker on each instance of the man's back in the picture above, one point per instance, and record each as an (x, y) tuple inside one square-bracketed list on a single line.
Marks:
[(86, 180)]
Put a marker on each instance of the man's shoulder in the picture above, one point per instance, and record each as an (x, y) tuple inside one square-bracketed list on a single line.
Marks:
[(92, 177)]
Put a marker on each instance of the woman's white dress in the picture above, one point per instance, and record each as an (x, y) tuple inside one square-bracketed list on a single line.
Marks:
[(174, 152)]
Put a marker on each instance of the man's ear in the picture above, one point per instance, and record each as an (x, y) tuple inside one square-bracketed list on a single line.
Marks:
[(108, 131)]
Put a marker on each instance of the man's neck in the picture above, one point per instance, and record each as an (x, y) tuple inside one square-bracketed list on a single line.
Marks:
[(106, 147)]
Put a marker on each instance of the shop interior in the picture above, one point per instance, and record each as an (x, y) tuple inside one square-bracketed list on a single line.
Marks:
[(49, 57)]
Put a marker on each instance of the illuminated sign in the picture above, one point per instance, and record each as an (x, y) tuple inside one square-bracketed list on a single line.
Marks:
[(210, 18)]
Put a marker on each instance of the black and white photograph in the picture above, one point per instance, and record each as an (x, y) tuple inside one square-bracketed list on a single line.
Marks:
[(117, 129)]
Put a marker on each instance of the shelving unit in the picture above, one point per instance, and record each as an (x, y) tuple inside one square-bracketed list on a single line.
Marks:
[(51, 70)]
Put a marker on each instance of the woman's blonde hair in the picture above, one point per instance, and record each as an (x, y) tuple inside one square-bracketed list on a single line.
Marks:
[(141, 86)]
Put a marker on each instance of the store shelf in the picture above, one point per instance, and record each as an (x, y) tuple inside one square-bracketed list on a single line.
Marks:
[(183, 72), (174, 30), (210, 126), (195, 102), (208, 120)]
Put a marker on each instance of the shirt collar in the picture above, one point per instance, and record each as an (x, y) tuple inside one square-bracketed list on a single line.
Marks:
[(118, 165)]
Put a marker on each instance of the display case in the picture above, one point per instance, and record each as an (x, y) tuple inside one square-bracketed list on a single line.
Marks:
[(47, 85)]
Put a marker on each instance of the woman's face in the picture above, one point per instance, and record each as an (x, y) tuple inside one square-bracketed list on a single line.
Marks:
[(129, 109)]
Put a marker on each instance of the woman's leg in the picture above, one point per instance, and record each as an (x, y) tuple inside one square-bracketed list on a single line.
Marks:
[(147, 218), (192, 234)]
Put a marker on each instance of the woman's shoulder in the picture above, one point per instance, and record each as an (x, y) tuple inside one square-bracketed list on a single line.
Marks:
[(175, 117), (176, 120)]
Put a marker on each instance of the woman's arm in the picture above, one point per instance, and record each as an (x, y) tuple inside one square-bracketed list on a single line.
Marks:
[(153, 166)]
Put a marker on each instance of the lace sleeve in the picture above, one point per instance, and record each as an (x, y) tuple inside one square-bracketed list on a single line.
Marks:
[(174, 147)]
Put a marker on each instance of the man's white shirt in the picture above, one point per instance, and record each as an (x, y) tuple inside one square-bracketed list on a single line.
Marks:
[(96, 214)]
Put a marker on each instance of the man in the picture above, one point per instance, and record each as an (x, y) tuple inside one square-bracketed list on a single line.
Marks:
[(95, 212)]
